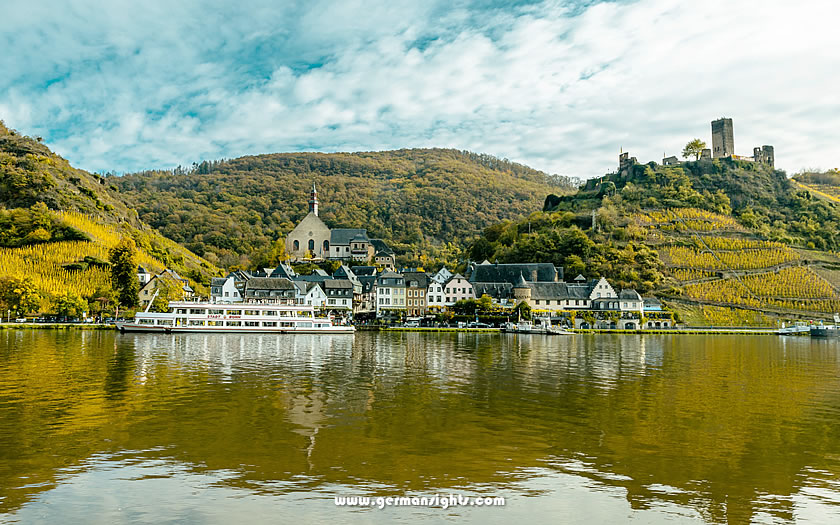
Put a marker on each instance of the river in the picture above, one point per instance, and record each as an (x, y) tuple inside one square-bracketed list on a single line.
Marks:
[(102, 427)]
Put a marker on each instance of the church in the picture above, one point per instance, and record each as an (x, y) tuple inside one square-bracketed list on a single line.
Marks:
[(313, 239)]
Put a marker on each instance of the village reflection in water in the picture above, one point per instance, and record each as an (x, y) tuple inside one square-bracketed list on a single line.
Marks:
[(708, 428)]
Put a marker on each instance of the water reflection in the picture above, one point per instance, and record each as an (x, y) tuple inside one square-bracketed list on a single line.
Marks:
[(721, 429)]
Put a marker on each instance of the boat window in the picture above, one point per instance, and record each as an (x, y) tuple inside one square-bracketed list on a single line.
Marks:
[(215, 323), (304, 314), (182, 310), (252, 323), (199, 311), (194, 322), (164, 322), (217, 312), (234, 323), (252, 312), (270, 324), (146, 321), (305, 325), (234, 312), (270, 313), (287, 324)]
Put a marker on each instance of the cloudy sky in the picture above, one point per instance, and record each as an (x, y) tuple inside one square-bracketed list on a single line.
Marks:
[(560, 85)]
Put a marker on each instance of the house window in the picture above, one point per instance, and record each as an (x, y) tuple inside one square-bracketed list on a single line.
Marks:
[(297, 245), (311, 245), (326, 246)]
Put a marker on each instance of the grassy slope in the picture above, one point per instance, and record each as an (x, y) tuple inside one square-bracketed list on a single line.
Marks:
[(81, 202)]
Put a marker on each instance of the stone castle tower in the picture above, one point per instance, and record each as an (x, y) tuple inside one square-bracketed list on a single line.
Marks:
[(723, 138)]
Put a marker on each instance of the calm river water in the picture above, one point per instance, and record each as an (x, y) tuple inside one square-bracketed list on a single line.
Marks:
[(99, 427)]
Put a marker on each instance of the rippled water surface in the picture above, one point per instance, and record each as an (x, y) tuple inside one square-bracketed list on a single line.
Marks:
[(100, 427)]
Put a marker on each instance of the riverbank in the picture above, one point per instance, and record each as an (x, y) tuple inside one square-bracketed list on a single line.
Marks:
[(56, 326)]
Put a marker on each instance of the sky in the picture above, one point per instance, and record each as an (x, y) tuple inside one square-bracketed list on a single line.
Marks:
[(562, 86)]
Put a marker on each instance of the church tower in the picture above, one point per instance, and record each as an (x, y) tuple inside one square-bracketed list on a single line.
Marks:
[(313, 200), (723, 139)]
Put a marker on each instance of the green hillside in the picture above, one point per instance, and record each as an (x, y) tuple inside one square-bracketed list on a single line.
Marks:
[(422, 201), (722, 241), (57, 224)]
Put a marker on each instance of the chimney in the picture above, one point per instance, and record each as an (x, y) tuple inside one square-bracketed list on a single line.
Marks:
[(533, 276)]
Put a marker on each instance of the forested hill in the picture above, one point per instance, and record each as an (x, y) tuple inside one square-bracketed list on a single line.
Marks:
[(57, 224), (722, 241), (422, 201)]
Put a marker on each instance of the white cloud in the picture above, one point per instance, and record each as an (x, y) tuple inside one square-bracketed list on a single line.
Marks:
[(114, 86)]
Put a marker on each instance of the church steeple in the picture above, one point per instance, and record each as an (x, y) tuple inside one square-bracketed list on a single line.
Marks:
[(313, 200)]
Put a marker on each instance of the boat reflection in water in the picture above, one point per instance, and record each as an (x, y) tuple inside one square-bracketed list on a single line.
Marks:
[(213, 427)]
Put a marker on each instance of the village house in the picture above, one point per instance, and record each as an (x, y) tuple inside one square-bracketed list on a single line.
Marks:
[(457, 288), (339, 294), (269, 290), (390, 295), (169, 281), (310, 293), (416, 288)]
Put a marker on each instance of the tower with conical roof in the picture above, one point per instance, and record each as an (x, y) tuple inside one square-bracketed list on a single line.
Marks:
[(521, 290)]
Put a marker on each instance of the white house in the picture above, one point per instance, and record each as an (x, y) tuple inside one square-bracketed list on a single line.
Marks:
[(457, 288), (224, 290), (309, 293)]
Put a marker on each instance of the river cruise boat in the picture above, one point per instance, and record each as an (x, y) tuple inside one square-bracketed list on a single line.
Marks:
[(233, 317)]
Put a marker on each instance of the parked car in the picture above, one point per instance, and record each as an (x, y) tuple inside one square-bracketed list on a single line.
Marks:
[(21, 320), (478, 325)]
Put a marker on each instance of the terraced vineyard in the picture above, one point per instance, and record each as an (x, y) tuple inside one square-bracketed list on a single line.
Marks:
[(734, 271), (79, 267)]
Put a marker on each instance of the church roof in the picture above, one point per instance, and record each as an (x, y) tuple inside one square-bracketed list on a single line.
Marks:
[(343, 236)]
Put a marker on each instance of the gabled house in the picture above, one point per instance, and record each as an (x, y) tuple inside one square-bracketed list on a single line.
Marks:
[(309, 293), (339, 294), (416, 287), (179, 288), (457, 288), (224, 290)]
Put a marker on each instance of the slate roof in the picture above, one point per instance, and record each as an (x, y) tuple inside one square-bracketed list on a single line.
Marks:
[(652, 303), (364, 271), (380, 246), (494, 290), (630, 295), (416, 279), (337, 283), (283, 270), (559, 291), (218, 281), (342, 236), (509, 273), (268, 283), (306, 286)]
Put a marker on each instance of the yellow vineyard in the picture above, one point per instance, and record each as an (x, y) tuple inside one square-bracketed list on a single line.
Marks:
[(743, 259), (685, 219), (791, 288), (43, 264), (690, 274), (722, 316)]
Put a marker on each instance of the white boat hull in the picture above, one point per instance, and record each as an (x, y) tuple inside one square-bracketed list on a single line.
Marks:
[(133, 327)]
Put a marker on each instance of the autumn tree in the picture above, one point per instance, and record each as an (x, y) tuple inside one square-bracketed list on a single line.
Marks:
[(123, 258), (694, 147), (70, 305), (20, 295)]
